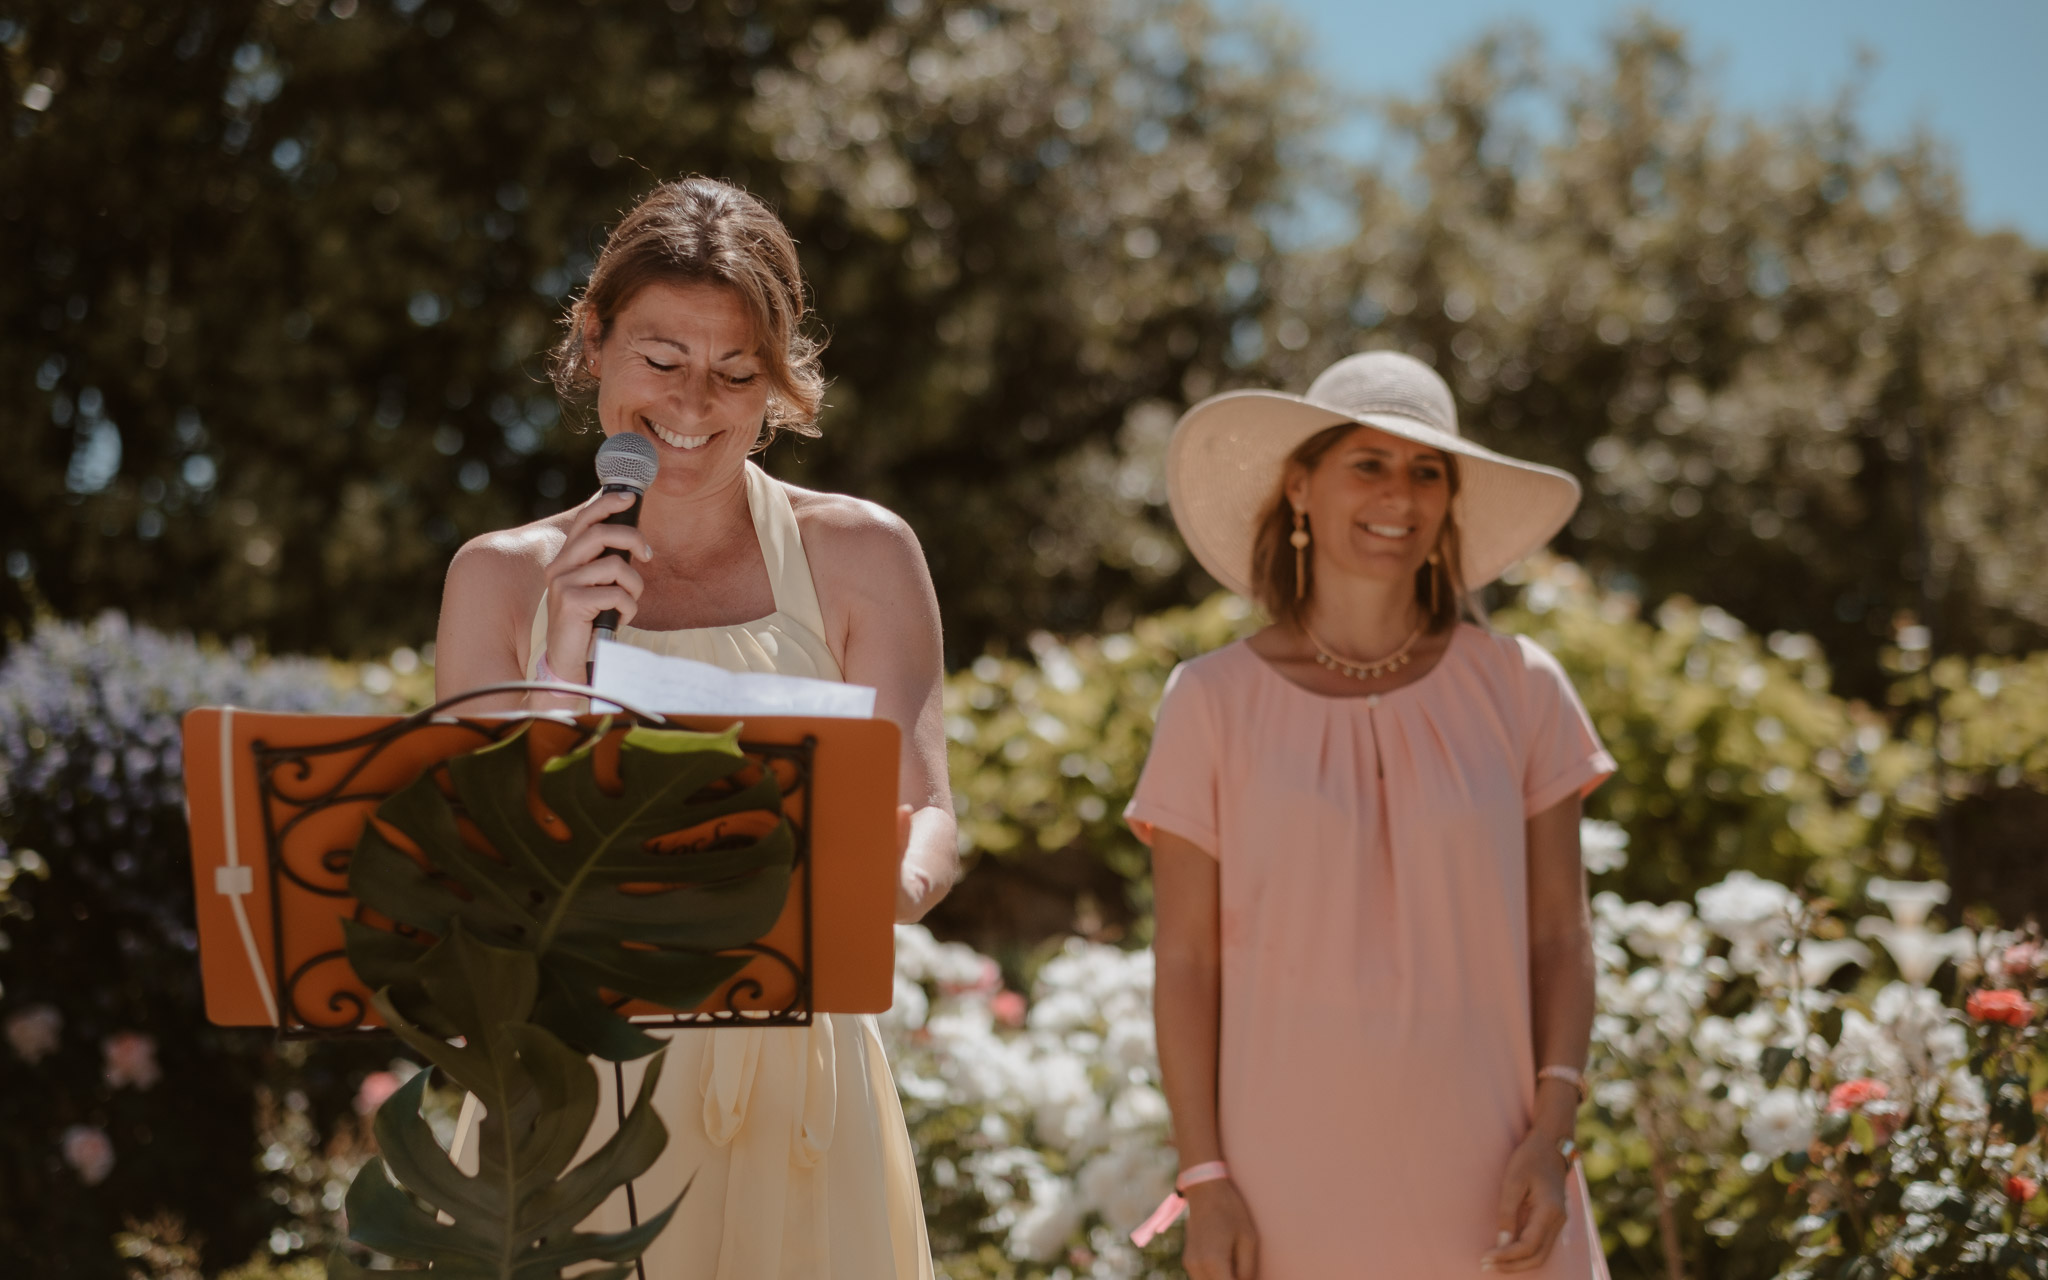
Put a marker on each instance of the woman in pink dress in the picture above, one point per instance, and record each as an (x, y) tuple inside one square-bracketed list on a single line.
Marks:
[(1375, 971)]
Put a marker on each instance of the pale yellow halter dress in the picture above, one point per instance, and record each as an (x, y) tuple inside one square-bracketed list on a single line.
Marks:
[(794, 1136)]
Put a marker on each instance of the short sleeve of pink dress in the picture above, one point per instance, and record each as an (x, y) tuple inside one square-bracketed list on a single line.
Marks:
[(1376, 1065)]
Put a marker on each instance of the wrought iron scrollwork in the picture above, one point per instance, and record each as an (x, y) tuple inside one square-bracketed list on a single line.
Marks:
[(315, 1000)]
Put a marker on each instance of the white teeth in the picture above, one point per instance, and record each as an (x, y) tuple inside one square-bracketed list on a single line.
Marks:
[(674, 441), (1388, 530)]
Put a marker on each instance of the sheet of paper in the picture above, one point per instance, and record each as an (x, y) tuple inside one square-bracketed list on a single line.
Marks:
[(655, 682)]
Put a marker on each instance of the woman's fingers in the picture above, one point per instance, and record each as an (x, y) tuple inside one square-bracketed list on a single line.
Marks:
[(597, 508), (1245, 1255), (592, 543), (583, 604), (1531, 1247)]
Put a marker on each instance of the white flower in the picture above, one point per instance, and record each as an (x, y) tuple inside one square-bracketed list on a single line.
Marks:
[(1140, 1109), (1130, 1046), (907, 1009), (1819, 959), (1066, 1110), (35, 1031), (1780, 1123), (89, 1152), (1041, 1231), (1603, 846), (1923, 1197), (1909, 901), (1127, 1184), (1917, 950), (1751, 912)]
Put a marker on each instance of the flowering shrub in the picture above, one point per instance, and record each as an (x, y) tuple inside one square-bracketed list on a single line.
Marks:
[(1757, 1109), (118, 1102), (1755, 1112), (1041, 1129)]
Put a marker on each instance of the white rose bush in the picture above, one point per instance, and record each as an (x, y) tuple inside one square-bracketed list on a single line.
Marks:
[(1767, 1099), (1042, 1135)]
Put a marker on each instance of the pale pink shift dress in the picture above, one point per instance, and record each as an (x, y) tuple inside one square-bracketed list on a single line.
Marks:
[(1377, 1064)]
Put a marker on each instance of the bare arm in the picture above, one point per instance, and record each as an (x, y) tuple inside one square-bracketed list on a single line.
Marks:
[(1532, 1199), (1187, 1010), (478, 642), (1560, 959), (891, 641), (495, 583)]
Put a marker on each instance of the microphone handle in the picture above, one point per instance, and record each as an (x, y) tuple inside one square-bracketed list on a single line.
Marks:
[(606, 624)]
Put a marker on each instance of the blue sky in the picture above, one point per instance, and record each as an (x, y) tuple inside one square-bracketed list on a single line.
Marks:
[(1973, 73)]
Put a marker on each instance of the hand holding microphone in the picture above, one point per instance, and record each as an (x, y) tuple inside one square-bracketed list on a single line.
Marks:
[(593, 586)]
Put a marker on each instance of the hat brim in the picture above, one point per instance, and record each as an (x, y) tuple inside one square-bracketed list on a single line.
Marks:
[(1223, 469)]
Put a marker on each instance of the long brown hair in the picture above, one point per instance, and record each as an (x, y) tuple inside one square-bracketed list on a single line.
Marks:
[(703, 231), (1273, 582)]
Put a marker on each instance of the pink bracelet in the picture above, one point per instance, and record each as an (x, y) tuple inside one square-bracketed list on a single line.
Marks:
[(1196, 1175), (545, 673), (1174, 1205), (1570, 1075)]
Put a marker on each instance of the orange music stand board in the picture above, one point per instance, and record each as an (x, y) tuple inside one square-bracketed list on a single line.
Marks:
[(276, 802)]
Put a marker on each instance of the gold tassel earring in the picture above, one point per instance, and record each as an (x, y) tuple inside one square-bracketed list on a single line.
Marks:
[(1434, 560), (1300, 540)]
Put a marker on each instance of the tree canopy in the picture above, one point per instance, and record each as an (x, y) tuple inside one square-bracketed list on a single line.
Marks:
[(288, 270)]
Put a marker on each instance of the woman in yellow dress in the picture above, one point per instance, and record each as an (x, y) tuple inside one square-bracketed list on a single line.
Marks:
[(691, 334)]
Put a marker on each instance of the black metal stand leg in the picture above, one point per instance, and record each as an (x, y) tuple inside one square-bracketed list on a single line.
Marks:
[(632, 1204)]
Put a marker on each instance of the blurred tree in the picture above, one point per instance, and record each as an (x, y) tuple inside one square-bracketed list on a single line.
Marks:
[(278, 343), (1802, 386)]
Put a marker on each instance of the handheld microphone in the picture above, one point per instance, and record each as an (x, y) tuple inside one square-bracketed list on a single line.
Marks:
[(626, 463)]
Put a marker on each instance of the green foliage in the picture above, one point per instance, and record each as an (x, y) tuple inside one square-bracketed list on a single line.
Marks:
[(1044, 754), (96, 948), (598, 907), (284, 355), (1734, 754), (295, 373), (515, 1219), (1778, 351)]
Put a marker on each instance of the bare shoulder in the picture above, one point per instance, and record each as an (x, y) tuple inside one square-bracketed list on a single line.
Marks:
[(843, 534), (507, 562)]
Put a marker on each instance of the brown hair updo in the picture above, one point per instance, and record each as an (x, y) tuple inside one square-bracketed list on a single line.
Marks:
[(704, 231), (1273, 554)]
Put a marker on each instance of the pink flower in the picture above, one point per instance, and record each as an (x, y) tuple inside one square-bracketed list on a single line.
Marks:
[(2022, 1189), (376, 1087), (2009, 1007), (1008, 1007), (130, 1060), (988, 978), (34, 1031), (1851, 1094), (2020, 959), (90, 1152)]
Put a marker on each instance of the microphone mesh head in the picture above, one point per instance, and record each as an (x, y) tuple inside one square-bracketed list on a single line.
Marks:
[(627, 459)]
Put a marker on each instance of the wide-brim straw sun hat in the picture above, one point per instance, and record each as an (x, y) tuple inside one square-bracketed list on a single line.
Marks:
[(1223, 465)]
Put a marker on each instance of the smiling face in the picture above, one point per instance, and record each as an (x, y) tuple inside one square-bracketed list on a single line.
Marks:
[(1376, 505), (681, 367)]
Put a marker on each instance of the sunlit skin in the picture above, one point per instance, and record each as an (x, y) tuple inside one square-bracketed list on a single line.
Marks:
[(1375, 505), (680, 366)]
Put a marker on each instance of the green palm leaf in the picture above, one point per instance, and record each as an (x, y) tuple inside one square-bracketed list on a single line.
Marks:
[(602, 910), (515, 1218)]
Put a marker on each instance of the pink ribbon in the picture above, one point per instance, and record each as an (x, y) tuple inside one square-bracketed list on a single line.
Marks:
[(1164, 1216)]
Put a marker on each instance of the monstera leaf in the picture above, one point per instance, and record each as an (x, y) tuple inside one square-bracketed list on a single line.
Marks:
[(602, 908), (515, 1218)]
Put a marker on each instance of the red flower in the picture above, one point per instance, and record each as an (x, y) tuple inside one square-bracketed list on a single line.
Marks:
[(2022, 1189), (1851, 1094), (2009, 1007)]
